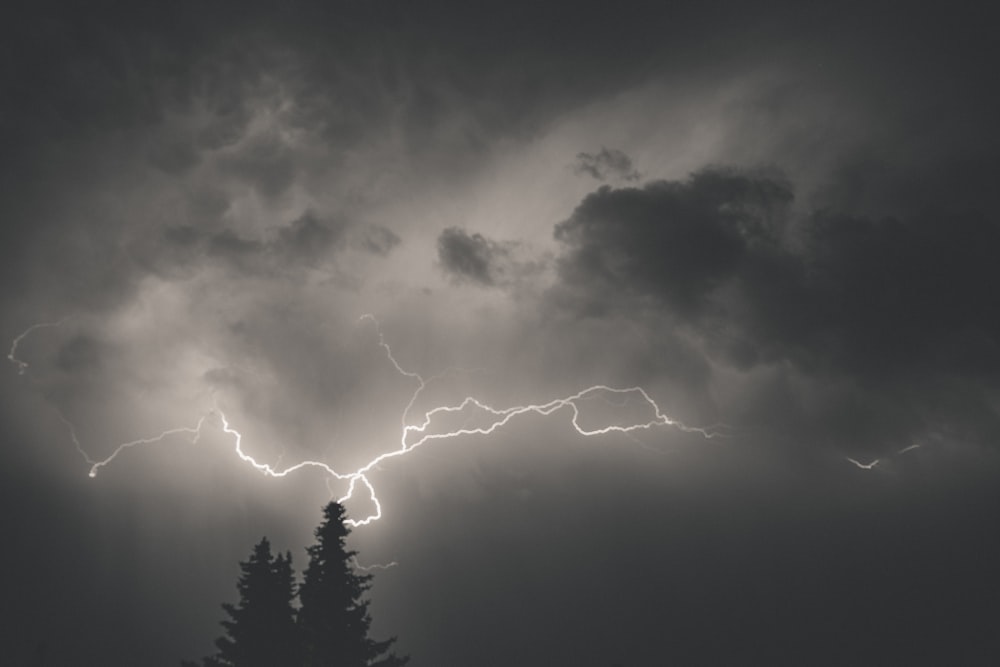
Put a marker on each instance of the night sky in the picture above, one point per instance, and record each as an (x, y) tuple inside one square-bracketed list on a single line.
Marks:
[(778, 220)]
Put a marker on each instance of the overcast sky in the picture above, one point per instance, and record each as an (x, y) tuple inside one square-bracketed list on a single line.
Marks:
[(779, 220)]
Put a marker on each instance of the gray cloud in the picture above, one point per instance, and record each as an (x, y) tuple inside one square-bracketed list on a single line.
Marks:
[(308, 241), (473, 258), (470, 257), (308, 238), (376, 239), (678, 241), (889, 309), (607, 164)]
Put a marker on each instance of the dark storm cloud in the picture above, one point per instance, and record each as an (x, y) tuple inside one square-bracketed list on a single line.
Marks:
[(470, 257), (905, 293), (607, 164), (473, 258), (892, 309), (678, 241)]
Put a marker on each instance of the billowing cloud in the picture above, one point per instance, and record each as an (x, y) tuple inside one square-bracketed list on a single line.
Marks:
[(677, 241), (607, 164), (473, 258), (890, 309)]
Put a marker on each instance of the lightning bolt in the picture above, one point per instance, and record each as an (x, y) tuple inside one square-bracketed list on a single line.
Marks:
[(373, 566), (414, 433), (76, 441), (875, 462), (20, 364), (864, 466), (193, 431)]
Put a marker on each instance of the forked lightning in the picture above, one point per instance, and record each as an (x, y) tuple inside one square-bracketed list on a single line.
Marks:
[(413, 435)]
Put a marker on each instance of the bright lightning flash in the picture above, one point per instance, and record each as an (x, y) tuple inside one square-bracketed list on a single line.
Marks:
[(414, 434), (864, 466)]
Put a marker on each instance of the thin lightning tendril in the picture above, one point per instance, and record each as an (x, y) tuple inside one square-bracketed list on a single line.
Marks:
[(76, 440), (874, 462), (21, 365), (193, 431), (373, 566), (413, 434), (864, 466)]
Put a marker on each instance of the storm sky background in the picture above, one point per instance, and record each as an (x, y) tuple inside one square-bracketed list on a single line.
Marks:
[(780, 217)]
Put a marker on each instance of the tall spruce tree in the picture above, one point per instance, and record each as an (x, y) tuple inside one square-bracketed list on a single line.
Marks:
[(333, 616), (261, 629)]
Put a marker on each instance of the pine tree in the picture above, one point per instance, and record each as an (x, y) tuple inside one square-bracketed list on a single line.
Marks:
[(261, 630), (333, 616)]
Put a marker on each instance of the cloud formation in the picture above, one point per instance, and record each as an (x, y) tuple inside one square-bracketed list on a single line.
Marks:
[(677, 241), (891, 309), (607, 164), (475, 259)]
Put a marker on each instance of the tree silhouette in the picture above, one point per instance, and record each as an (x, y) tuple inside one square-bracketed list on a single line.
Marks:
[(334, 616), (260, 630), (330, 629)]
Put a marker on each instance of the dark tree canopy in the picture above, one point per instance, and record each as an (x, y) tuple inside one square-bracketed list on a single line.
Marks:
[(330, 628), (334, 616), (261, 627), (260, 630)]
